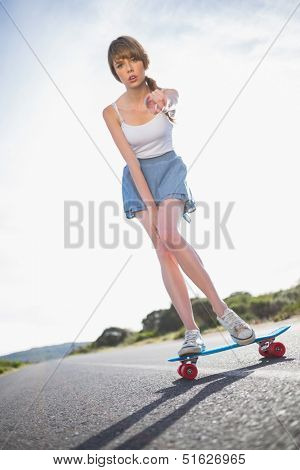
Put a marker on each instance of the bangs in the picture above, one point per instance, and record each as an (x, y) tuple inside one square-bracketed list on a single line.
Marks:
[(126, 53)]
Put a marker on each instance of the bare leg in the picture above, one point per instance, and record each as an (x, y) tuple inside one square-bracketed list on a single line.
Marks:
[(169, 212), (172, 276)]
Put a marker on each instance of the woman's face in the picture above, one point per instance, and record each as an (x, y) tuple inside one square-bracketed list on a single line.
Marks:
[(127, 67)]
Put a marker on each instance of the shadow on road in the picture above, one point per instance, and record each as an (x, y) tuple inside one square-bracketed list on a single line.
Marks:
[(209, 385)]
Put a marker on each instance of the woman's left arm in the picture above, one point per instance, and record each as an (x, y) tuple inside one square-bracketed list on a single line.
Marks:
[(171, 98), (161, 100)]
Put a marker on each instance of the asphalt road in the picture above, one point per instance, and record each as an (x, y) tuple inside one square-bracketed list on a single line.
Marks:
[(132, 398)]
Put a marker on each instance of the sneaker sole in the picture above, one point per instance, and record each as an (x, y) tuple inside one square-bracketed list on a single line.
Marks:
[(190, 351), (245, 341)]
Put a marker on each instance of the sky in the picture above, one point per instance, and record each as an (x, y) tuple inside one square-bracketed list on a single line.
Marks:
[(237, 130)]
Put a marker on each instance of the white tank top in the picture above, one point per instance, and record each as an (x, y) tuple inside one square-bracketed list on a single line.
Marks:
[(151, 139)]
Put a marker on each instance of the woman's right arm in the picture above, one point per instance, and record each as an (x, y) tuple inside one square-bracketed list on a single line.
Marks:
[(129, 156)]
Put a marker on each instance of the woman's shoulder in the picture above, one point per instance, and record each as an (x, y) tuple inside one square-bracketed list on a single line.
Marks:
[(118, 102)]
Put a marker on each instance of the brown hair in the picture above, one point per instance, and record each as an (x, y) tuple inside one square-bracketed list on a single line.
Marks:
[(126, 47)]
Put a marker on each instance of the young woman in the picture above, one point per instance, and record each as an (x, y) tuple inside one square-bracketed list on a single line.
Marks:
[(154, 187)]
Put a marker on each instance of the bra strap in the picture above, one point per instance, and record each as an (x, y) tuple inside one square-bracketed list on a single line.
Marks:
[(116, 108)]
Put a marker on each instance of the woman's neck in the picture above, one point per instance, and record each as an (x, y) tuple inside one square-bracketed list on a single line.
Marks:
[(136, 96)]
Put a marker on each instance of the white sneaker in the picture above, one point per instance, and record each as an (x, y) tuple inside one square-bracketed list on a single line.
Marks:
[(240, 331), (193, 343)]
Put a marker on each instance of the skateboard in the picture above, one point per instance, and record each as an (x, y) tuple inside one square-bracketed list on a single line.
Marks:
[(267, 348)]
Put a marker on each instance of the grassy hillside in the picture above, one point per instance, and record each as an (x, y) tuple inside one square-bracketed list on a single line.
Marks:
[(165, 324), (44, 353), (6, 366)]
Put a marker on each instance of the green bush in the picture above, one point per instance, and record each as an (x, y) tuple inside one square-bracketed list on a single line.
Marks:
[(288, 311), (179, 333), (6, 365), (204, 315), (140, 336), (270, 306), (261, 307), (240, 308), (111, 337)]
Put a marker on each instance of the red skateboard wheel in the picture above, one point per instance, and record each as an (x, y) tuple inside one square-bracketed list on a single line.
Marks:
[(276, 349), (264, 352), (189, 371), (180, 369)]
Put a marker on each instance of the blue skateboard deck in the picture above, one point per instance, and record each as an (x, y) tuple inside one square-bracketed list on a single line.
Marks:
[(261, 339)]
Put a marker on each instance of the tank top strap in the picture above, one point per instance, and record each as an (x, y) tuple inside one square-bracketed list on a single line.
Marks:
[(116, 108)]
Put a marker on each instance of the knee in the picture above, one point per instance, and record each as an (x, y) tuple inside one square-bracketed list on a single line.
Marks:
[(170, 238), (164, 255)]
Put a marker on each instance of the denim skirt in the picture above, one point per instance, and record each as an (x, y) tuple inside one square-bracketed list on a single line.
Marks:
[(166, 178)]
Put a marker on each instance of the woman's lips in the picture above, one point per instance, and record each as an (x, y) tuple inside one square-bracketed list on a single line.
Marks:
[(133, 79)]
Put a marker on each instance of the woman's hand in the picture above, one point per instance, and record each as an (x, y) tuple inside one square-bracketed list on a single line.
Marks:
[(152, 209), (155, 101)]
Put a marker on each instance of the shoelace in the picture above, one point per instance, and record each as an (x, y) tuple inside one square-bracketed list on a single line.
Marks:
[(234, 322), (189, 335)]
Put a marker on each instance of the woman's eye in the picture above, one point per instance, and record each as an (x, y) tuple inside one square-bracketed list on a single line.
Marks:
[(132, 58)]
